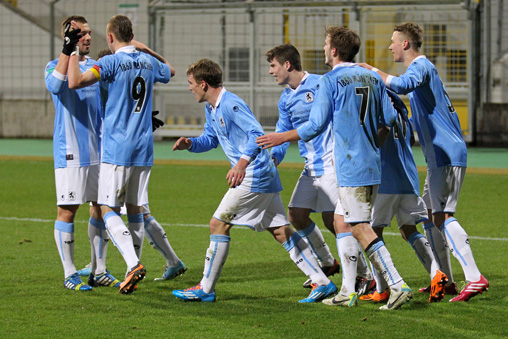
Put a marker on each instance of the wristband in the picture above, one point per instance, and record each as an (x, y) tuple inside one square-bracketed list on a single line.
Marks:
[(374, 69)]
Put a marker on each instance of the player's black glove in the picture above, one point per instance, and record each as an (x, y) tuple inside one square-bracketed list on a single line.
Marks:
[(71, 38), (156, 123)]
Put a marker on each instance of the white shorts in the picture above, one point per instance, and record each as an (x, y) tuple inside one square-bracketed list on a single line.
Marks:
[(316, 193), (442, 188), (355, 203), (258, 211), (76, 185), (408, 208), (123, 184)]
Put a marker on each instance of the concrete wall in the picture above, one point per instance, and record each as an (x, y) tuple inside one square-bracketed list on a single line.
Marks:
[(492, 125), (26, 118)]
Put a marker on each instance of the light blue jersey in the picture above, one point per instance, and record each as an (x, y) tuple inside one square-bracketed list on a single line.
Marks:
[(433, 114), (355, 101), (129, 76), (233, 125), (77, 122), (398, 169), (294, 110)]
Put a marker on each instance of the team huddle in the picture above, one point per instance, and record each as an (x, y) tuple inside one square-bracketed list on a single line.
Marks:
[(352, 130)]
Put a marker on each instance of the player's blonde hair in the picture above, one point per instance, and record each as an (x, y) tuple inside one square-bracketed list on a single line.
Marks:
[(412, 32), (121, 27)]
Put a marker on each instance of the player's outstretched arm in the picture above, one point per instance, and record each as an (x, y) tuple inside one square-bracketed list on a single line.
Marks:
[(145, 49), (182, 143), (372, 68), (275, 139)]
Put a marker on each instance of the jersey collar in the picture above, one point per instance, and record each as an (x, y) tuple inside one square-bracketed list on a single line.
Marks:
[(126, 49), (305, 76), (219, 98), (344, 64)]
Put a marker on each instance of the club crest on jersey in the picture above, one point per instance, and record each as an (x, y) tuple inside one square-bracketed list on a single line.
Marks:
[(309, 97), (221, 121)]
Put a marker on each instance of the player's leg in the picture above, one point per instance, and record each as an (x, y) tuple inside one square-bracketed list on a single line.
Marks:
[(382, 292), (112, 192), (242, 202), (158, 239), (436, 238), (313, 194), (301, 254), (99, 239), (357, 204), (70, 190), (215, 258), (456, 237), (136, 227)]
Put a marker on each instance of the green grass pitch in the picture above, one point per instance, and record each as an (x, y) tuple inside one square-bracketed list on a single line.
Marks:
[(258, 292)]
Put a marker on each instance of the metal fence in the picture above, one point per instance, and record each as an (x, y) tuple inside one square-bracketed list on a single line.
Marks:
[(237, 36), (463, 38)]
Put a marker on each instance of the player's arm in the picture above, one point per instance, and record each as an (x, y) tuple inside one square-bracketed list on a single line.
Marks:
[(205, 142), (78, 79), (275, 139), (284, 124), (383, 75), (182, 143), (236, 174), (145, 49)]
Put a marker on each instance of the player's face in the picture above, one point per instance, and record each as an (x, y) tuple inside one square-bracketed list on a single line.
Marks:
[(328, 52), (397, 46), (279, 72), (86, 38), (196, 89)]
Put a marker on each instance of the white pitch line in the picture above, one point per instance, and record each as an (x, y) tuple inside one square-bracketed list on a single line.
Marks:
[(206, 226)]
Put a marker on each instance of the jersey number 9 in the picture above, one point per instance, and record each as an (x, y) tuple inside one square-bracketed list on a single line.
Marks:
[(139, 93)]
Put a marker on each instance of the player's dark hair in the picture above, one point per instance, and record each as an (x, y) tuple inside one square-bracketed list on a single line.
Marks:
[(345, 41), (413, 33), (206, 70), (103, 52), (121, 27), (76, 18), (283, 53)]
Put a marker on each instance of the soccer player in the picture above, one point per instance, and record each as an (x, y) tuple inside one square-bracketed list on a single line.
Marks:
[(398, 195), (253, 198), (152, 229), (355, 102), (127, 141), (440, 136), (76, 156), (315, 190)]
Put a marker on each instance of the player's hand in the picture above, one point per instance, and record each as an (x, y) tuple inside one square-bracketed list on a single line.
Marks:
[(235, 176), (71, 38), (182, 143), (364, 65), (270, 140), (156, 123)]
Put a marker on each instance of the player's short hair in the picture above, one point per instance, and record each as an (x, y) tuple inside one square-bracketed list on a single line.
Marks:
[(283, 53), (76, 18), (413, 33), (346, 41), (121, 27), (206, 70), (103, 52)]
